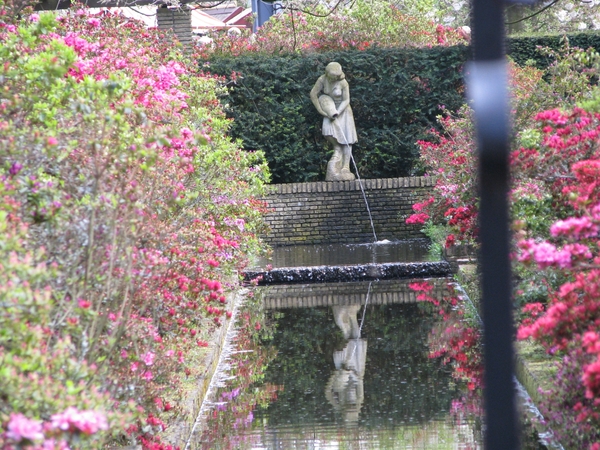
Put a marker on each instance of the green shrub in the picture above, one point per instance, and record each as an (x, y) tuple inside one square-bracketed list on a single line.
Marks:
[(396, 95), (524, 49)]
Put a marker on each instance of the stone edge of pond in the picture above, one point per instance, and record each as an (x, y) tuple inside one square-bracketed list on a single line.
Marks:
[(179, 431), (358, 272), (527, 378)]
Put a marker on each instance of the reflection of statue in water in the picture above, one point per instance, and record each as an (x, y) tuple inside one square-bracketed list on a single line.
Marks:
[(331, 97), (345, 318), (344, 390)]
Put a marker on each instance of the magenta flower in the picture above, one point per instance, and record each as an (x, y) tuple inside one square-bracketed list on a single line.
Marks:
[(86, 422), (20, 427), (147, 375), (575, 227), (148, 358), (15, 168), (85, 304), (417, 219)]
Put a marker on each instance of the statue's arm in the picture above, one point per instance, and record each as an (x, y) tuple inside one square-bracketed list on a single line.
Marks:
[(314, 95), (345, 97)]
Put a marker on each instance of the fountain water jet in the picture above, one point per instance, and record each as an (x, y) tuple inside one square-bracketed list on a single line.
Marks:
[(362, 189)]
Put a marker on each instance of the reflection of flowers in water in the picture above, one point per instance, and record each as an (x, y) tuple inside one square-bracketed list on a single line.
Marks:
[(456, 341), (230, 395), (243, 422), (458, 347), (243, 392)]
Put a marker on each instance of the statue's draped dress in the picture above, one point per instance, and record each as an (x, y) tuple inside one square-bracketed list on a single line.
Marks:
[(342, 129)]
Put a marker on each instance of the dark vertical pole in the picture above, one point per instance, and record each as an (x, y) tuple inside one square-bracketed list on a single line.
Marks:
[(488, 91), (263, 11)]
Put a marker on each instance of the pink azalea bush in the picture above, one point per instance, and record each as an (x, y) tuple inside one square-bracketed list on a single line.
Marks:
[(555, 165), (567, 323), (450, 156), (126, 214)]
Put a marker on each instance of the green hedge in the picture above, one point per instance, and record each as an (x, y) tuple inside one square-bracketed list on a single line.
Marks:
[(396, 95), (524, 49)]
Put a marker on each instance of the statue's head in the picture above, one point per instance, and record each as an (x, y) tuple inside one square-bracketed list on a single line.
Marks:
[(333, 71)]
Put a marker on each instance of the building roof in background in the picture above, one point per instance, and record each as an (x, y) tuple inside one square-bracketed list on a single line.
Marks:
[(223, 10), (224, 13), (204, 21), (242, 18)]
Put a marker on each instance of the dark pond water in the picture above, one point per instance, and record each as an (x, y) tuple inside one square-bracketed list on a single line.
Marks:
[(352, 366), (414, 250), (355, 370)]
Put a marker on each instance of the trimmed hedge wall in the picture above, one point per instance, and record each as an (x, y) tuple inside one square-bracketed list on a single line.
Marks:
[(524, 49), (395, 94)]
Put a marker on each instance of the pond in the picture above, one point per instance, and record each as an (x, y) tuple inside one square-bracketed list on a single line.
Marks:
[(351, 366), (381, 390), (412, 250)]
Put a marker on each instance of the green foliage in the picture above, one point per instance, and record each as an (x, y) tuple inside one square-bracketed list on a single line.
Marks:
[(525, 49), (396, 95), (437, 234)]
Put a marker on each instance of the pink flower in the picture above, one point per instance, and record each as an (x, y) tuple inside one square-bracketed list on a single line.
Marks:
[(591, 379), (52, 140), (87, 422), (417, 219), (544, 254), (148, 358), (94, 22), (552, 115), (147, 375), (20, 427), (34, 18), (422, 286), (84, 303), (591, 342), (576, 227)]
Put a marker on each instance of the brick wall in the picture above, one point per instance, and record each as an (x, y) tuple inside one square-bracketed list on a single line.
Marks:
[(335, 212), (178, 20), (383, 292)]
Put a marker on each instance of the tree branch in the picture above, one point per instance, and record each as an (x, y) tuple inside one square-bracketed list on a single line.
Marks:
[(534, 14)]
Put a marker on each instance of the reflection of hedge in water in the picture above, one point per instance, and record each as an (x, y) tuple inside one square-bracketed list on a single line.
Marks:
[(305, 340), (395, 96), (403, 355), (397, 352)]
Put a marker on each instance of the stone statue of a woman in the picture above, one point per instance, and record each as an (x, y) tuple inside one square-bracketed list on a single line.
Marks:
[(331, 97)]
